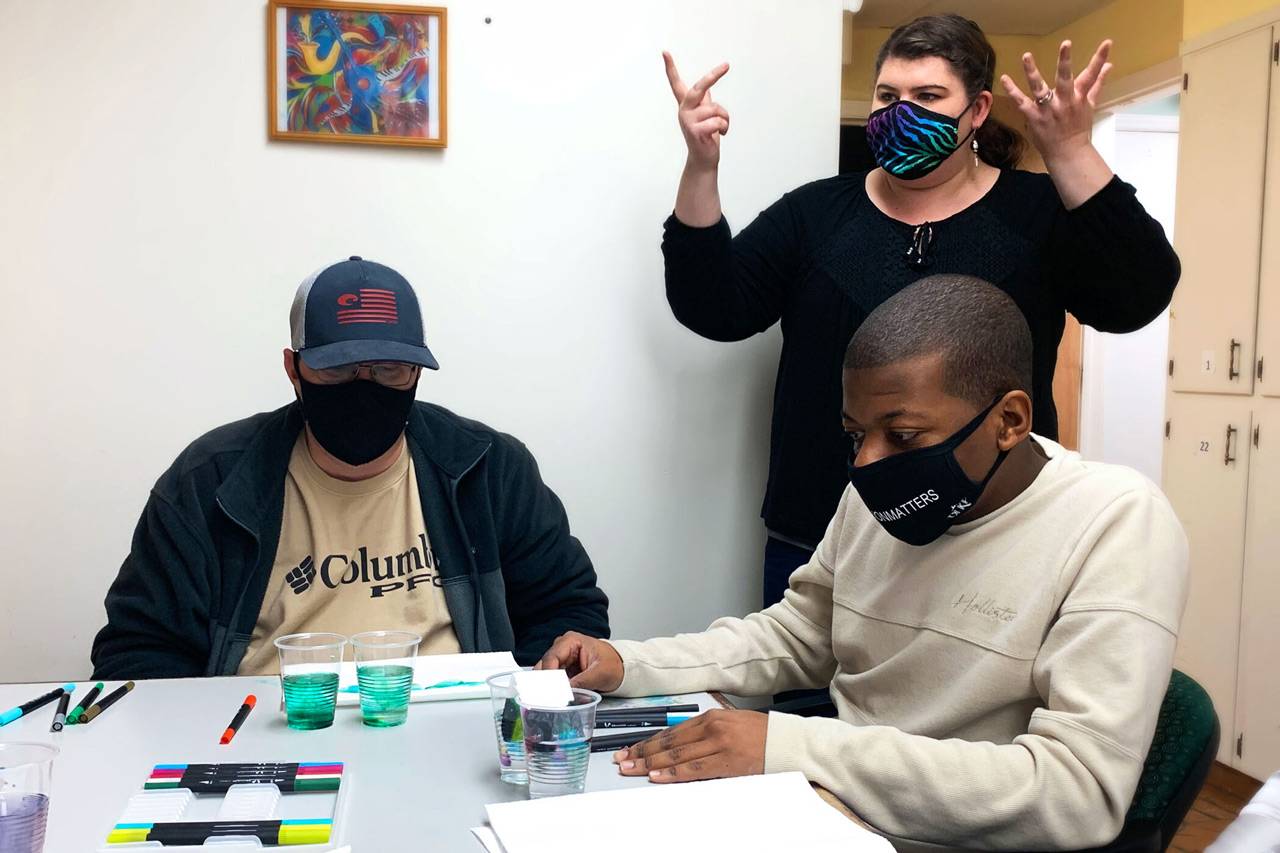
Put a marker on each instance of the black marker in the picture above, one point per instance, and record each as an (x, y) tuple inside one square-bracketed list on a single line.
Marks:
[(78, 711), (39, 702), (659, 719), (60, 716), (113, 697), (611, 743), (647, 709)]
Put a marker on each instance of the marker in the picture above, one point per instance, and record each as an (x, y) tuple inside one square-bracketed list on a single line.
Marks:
[(647, 709), (217, 778), (98, 707), (27, 707), (612, 743), (269, 832), (238, 719), (78, 711), (658, 720), (60, 716)]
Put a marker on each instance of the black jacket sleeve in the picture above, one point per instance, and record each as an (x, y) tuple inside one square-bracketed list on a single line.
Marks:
[(550, 582), (157, 607), (1110, 262), (730, 288)]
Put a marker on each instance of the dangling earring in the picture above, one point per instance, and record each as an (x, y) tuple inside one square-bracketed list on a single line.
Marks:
[(975, 149)]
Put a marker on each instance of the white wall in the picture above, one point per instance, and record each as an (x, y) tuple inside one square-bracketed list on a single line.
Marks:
[(1122, 398), (151, 240)]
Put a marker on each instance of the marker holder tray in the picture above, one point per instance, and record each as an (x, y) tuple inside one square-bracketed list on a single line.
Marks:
[(239, 803)]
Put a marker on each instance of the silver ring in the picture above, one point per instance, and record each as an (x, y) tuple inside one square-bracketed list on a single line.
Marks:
[(1045, 98)]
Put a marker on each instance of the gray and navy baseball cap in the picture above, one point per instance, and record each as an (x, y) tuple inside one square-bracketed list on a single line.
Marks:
[(355, 310)]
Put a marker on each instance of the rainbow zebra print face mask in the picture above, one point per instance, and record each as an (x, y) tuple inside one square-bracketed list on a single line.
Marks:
[(909, 141)]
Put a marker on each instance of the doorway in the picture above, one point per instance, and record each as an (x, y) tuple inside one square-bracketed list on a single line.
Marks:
[(1122, 399)]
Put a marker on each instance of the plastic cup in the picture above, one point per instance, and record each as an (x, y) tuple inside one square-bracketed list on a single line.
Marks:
[(26, 773), (384, 671), (557, 745), (309, 668), (508, 727)]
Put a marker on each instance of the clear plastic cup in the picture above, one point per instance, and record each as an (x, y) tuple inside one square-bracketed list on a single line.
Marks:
[(309, 668), (508, 727), (26, 774), (557, 745), (384, 671)]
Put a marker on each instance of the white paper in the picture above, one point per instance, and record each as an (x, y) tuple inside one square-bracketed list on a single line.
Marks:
[(750, 813), (431, 672), (546, 688)]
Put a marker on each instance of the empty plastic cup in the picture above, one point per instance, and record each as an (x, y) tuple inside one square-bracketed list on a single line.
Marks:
[(26, 773), (384, 671), (557, 745), (309, 668), (508, 728)]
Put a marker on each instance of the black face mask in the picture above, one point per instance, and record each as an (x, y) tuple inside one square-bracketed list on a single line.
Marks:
[(918, 494), (356, 421)]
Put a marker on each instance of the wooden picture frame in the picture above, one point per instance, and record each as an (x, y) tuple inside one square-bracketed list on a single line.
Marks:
[(352, 72)]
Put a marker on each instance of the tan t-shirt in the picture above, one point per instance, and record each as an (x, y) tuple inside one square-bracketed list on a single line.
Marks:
[(352, 557)]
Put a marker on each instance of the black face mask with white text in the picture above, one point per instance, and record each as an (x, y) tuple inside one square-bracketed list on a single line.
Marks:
[(917, 495)]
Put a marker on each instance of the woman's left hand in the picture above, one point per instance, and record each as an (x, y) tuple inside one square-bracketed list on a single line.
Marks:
[(1060, 116)]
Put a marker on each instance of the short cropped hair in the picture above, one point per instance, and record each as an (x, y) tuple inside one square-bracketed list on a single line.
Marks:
[(981, 334)]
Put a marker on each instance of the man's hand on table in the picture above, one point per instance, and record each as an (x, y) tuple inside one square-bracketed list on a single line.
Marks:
[(713, 745), (592, 664)]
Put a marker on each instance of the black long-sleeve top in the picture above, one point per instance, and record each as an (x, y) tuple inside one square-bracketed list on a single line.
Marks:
[(822, 257)]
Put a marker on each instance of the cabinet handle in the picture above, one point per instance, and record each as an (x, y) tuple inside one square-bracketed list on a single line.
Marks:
[(1260, 362), (1256, 430), (1227, 458), (1233, 372)]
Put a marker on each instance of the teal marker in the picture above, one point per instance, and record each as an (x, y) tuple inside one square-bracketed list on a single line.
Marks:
[(27, 707), (83, 704)]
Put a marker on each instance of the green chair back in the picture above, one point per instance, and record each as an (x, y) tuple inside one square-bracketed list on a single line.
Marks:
[(1185, 724)]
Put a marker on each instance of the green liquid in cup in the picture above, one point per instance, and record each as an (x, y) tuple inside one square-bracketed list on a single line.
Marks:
[(309, 699), (384, 693)]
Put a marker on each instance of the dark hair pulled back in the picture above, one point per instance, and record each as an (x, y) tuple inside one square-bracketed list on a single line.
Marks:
[(964, 46)]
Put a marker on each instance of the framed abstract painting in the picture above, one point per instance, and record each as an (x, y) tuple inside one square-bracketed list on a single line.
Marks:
[(356, 72)]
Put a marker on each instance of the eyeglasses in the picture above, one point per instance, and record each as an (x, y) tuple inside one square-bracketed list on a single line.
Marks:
[(392, 374)]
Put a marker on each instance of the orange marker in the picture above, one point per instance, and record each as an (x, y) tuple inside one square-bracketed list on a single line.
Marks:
[(238, 719)]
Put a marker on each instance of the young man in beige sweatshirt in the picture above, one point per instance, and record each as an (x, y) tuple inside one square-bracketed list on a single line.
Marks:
[(995, 616)]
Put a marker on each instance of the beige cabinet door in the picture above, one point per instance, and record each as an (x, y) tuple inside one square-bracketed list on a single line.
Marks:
[(1258, 693), (1206, 466), (1266, 366), (1222, 147)]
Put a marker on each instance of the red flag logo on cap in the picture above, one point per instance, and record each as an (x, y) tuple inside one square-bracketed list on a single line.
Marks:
[(369, 305)]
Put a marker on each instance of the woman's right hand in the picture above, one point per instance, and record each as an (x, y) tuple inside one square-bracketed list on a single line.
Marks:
[(702, 120), (590, 663)]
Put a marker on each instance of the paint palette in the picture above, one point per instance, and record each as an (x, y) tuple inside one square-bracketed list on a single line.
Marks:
[(236, 806)]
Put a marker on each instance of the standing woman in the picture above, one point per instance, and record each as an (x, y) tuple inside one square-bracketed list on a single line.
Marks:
[(946, 198)]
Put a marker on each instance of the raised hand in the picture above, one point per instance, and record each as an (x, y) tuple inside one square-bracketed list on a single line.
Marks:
[(1060, 117), (702, 120)]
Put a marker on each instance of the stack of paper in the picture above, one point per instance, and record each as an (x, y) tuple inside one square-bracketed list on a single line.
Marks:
[(750, 813), (439, 677)]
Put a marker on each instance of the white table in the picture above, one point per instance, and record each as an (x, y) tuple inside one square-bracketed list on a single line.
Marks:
[(420, 786)]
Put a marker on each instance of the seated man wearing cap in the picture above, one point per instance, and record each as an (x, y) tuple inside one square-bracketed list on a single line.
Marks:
[(352, 508), (994, 616)]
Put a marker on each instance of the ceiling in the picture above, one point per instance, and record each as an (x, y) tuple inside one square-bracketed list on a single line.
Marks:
[(996, 17)]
